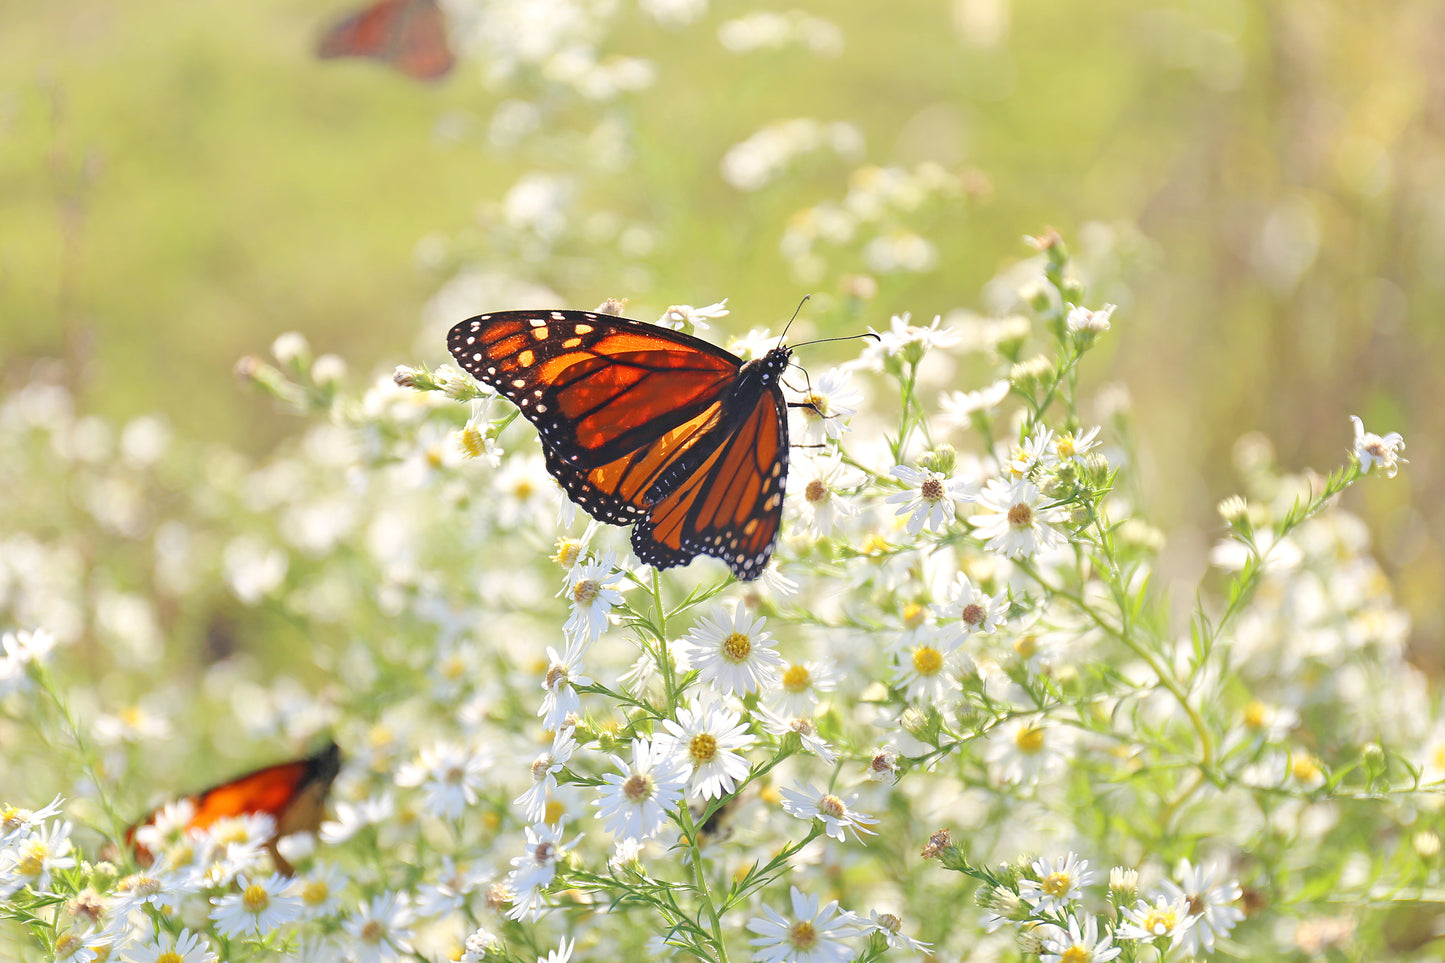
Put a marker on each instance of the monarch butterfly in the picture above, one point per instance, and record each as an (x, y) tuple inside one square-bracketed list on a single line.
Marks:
[(292, 793), (411, 35), (642, 424)]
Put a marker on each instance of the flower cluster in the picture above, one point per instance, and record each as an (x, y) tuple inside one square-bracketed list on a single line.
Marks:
[(957, 630)]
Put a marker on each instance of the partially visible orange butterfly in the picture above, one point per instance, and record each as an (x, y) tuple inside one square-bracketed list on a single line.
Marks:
[(642, 424), (292, 793), (411, 35)]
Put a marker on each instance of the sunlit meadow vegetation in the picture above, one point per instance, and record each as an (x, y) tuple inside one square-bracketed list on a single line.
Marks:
[(961, 716)]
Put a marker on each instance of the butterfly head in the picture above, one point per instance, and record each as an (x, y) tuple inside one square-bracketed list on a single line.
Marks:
[(770, 367)]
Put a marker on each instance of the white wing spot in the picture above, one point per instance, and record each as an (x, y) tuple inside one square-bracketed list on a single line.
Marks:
[(556, 316)]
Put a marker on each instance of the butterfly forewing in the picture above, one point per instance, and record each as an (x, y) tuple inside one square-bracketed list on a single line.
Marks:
[(640, 423), (410, 35)]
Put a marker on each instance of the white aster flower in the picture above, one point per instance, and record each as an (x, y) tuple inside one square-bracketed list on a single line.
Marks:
[(560, 699), (810, 935), (82, 947), (1165, 918), (1071, 447), (1024, 751), (635, 803), (685, 317), (837, 814), (803, 684), (1082, 319), (450, 774), (351, 818), (959, 407), (970, 610), (591, 593), (257, 906), (474, 439), (1212, 900), (1031, 453), (320, 890), (1080, 943), (803, 727), (477, 945), (890, 928), (711, 738), (184, 947), (32, 860), (380, 931), (1017, 523), (816, 486), (544, 775), (908, 340), (830, 403), (929, 500), (928, 667), (533, 871), (17, 823), (1060, 882), (1371, 450), (732, 652)]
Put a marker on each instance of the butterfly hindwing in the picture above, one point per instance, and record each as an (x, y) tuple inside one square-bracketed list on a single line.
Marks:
[(643, 424)]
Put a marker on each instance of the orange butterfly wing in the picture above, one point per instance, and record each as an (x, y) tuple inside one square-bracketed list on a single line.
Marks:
[(411, 35), (292, 793), (643, 424)]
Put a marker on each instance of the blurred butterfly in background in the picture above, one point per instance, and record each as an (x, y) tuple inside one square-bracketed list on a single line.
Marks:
[(647, 426), (410, 35), (292, 793)]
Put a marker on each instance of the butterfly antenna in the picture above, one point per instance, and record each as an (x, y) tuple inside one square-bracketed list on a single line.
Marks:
[(850, 337), (784, 335)]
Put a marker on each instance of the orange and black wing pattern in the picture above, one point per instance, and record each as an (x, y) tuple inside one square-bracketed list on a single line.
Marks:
[(642, 424), (410, 35), (292, 793)]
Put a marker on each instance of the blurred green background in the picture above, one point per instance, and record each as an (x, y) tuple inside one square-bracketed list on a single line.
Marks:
[(181, 181)]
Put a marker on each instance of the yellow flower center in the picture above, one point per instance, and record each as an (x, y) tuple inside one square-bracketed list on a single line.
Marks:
[(802, 936), (1065, 446), (1076, 954), (702, 748), (1056, 884), (32, 859), (554, 812), (585, 591), (831, 805), (1160, 920), (797, 678), (68, 944), (927, 660), (1027, 646), (737, 647), (434, 456), (472, 442), (875, 544), (567, 551), (1255, 715), (637, 787), (315, 892), (1303, 767), (255, 898), (913, 615), (1029, 740)]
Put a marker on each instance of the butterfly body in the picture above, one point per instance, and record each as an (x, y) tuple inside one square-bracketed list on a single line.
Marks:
[(646, 426)]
